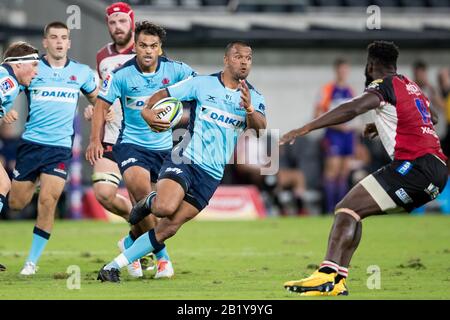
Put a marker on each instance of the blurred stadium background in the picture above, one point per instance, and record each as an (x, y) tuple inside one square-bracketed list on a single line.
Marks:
[(295, 43)]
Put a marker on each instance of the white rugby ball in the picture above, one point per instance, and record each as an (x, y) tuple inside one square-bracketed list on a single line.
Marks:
[(172, 110)]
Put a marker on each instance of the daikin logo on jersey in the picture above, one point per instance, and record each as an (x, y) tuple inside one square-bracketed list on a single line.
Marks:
[(222, 118), (52, 94)]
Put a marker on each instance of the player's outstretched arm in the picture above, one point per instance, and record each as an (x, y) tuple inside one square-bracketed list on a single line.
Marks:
[(150, 115), (94, 150), (342, 113)]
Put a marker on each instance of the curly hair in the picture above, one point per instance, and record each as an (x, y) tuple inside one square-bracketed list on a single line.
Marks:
[(149, 28), (384, 53)]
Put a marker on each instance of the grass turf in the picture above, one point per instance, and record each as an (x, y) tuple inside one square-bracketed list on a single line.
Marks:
[(234, 260)]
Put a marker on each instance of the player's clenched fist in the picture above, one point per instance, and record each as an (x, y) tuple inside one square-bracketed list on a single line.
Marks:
[(11, 117)]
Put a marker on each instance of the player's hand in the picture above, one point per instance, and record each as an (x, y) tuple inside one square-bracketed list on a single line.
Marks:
[(94, 151), (11, 117), (246, 100), (88, 112), (110, 115), (291, 135), (370, 131), (151, 117)]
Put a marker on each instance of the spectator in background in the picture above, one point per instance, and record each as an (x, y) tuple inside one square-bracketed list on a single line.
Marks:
[(338, 140), (283, 191), (444, 88), (420, 72)]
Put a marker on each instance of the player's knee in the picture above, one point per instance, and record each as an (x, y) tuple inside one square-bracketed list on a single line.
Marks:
[(15, 203), (104, 195), (5, 186), (163, 208), (48, 201)]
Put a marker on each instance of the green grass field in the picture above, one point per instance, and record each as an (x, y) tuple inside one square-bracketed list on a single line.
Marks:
[(235, 260)]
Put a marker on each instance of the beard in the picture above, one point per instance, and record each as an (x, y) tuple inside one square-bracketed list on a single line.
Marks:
[(124, 41), (369, 78)]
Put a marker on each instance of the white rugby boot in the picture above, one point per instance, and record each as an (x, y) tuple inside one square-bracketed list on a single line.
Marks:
[(134, 268)]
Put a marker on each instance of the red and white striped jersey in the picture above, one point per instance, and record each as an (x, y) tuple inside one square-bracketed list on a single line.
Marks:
[(108, 59), (403, 119)]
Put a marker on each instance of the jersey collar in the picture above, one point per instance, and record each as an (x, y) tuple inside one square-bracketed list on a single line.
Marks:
[(129, 50), (139, 69), (48, 64), (219, 77), (10, 71)]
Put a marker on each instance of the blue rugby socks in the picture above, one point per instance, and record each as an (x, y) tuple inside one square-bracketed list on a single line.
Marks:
[(40, 239)]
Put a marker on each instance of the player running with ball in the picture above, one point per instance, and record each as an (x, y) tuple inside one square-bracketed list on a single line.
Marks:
[(226, 105), (416, 175), (139, 152)]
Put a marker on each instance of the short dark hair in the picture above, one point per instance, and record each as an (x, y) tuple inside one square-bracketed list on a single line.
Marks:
[(419, 64), (149, 28), (384, 53), (339, 62), (19, 49), (56, 25), (236, 43)]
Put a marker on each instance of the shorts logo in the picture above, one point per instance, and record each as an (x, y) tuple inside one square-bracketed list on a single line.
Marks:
[(402, 195), (175, 170), (432, 191), (130, 160), (16, 173), (404, 168), (61, 168)]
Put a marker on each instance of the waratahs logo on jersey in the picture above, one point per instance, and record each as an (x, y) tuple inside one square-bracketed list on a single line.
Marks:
[(136, 103), (55, 95), (222, 118)]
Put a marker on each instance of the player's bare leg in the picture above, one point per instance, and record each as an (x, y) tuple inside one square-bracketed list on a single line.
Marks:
[(21, 194), (105, 190), (154, 239), (344, 239), (51, 189), (137, 180), (5, 186)]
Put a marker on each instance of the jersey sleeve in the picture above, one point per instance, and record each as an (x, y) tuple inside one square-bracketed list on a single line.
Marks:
[(8, 91), (90, 84), (184, 90), (259, 103), (110, 89), (384, 89)]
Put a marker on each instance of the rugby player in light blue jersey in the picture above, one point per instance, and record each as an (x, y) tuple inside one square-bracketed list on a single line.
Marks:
[(18, 68), (226, 105), (46, 145), (139, 152)]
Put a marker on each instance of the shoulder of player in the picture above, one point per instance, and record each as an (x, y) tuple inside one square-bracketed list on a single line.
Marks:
[(176, 63), (8, 82), (104, 52), (253, 89), (124, 67)]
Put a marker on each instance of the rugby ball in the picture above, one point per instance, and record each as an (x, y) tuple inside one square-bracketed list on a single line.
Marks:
[(172, 111)]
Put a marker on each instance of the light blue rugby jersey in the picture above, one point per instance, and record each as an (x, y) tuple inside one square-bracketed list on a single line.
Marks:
[(9, 88), (52, 101), (134, 87), (216, 122)]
